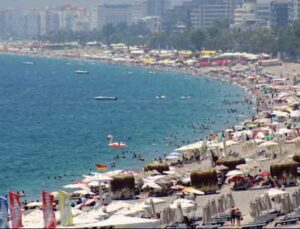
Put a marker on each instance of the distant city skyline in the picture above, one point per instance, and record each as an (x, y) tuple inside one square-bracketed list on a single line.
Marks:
[(27, 4)]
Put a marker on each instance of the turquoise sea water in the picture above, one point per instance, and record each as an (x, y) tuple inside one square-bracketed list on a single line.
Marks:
[(51, 126)]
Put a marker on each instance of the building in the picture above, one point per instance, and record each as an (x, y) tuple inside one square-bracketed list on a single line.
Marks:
[(152, 23), (115, 14), (245, 15), (207, 12), (282, 13), (157, 7)]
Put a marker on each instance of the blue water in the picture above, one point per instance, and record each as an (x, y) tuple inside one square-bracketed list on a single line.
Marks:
[(50, 125)]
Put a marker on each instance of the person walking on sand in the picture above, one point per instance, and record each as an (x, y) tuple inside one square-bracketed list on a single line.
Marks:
[(232, 215), (238, 215)]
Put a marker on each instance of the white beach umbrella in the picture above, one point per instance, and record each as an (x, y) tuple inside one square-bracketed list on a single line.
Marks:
[(234, 173), (275, 192), (268, 144), (75, 186), (151, 185)]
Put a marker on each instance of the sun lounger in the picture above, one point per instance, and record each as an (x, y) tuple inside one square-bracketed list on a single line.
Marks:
[(253, 226), (285, 222), (209, 226)]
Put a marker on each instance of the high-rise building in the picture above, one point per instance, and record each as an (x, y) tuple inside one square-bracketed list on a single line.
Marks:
[(208, 11), (115, 14), (157, 7), (281, 13)]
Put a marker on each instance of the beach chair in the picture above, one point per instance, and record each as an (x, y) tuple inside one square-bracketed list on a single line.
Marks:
[(209, 226), (286, 222), (253, 226)]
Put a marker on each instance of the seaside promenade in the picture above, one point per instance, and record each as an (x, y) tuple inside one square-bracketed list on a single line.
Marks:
[(252, 167)]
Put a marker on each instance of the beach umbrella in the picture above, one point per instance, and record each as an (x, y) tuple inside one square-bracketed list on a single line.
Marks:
[(230, 199), (76, 186), (214, 207), (275, 192), (267, 201), (221, 204), (233, 173), (268, 144), (193, 191), (177, 187), (180, 212), (151, 185), (264, 174), (152, 206), (253, 209)]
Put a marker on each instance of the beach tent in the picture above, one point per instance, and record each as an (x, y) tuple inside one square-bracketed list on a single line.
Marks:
[(125, 222)]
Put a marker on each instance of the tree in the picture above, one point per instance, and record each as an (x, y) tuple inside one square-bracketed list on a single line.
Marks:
[(198, 39)]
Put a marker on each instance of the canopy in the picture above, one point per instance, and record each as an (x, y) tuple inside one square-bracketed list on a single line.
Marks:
[(120, 221)]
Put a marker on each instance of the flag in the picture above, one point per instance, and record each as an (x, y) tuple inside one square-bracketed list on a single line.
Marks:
[(49, 216), (15, 210), (3, 213), (66, 218), (101, 167)]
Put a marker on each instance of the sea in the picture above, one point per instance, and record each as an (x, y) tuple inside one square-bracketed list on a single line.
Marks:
[(52, 130)]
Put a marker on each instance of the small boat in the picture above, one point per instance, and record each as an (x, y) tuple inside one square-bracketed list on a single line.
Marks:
[(105, 98), (28, 63), (82, 72), (115, 145), (161, 97), (185, 97)]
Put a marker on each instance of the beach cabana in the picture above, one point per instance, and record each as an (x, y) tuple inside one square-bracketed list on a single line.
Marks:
[(231, 163), (205, 180), (285, 170), (123, 186), (160, 167)]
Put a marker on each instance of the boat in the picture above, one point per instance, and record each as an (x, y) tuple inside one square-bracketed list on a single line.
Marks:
[(105, 98), (28, 63), (161, 97), (185, 97), (115, 145), (82, 72)]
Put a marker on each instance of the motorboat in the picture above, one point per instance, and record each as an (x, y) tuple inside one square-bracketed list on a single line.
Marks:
[(28, 63), (82, 72), (161, 97), (115, 145), (106, 98), (185, 97)]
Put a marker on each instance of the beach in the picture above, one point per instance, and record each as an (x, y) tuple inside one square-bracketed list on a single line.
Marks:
[(269, 137)]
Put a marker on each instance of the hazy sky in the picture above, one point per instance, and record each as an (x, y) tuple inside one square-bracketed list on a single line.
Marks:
[(42, 3)]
